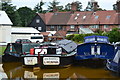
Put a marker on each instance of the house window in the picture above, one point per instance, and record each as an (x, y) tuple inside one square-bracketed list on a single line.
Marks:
[(81, 26), (52, 28), (118, 26), (106, 26), (37, 20), (108, 17), (72, 26), (94, 26), (40, 28), (60, 28), (96, 17)]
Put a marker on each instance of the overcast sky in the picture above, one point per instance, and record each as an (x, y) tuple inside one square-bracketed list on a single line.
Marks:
[(104, 4)]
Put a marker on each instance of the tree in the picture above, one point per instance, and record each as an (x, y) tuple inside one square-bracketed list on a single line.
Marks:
[(68, 7), (12, 13), (114, 35), (38, 8), (114, 7), (79, 6), (26, 15), (54, 6)]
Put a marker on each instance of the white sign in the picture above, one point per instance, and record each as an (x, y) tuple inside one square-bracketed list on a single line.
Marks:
[(30, 60), (51, 60), (42, 51), (28, 74), (51, 75)]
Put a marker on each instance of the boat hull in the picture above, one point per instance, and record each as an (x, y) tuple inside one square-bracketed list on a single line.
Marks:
[(93, 63), (11, 58), (51, 61), (113, 67)]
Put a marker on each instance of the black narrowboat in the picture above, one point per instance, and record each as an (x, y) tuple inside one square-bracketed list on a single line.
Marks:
[(51, 55), (14, 51)]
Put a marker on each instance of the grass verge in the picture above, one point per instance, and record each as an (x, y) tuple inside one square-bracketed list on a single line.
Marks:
[(2, 48)]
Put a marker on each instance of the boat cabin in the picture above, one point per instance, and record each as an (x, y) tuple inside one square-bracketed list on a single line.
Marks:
[(95, 47), (58, 54), (58, 47)]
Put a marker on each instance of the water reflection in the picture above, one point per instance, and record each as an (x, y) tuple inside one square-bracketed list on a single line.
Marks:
[(2, 73), (15, 70)]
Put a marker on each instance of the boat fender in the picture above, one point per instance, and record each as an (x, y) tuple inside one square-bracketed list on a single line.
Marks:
[(10, 47), (32, 51)]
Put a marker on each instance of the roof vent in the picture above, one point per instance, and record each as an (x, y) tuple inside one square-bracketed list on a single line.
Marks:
[(84, 17), (78, 14), (76, 18)]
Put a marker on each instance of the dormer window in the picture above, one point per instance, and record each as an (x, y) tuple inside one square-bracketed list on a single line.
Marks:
[(108, 17), (96, 17)]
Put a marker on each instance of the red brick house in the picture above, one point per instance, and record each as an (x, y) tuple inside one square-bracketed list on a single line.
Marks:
[(72, 21)]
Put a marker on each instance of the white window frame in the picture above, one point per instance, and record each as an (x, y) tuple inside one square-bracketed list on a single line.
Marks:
[(94, 26), (59, 27), (40, 28), (72, 27), (37, 20), (52, 28), (118, 26), (106, 26)]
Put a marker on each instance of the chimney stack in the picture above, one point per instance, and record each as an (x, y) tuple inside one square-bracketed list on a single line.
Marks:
[(74, 6), (55, 9), (94, 5)]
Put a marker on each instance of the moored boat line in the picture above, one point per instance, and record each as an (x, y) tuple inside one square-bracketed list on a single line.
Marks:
[(95, 51)]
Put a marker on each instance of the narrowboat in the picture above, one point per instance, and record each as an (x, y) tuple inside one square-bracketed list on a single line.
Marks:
[(95, 48), (51, 55), (114, 64), (14, 51)]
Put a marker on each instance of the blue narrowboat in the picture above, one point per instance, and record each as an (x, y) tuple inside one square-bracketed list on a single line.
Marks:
[(95, 48), (114, 64)]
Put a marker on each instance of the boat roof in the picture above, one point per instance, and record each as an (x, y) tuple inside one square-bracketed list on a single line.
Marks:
[(96, 38), (67, 45)]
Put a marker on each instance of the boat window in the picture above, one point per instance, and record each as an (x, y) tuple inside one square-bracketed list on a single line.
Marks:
[(86, 53), (102, 39), (51, 51), (89, 39), (104, 53), (36, 37)]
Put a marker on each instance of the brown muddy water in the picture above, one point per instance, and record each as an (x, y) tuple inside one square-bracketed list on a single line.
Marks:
[(17, 71)]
